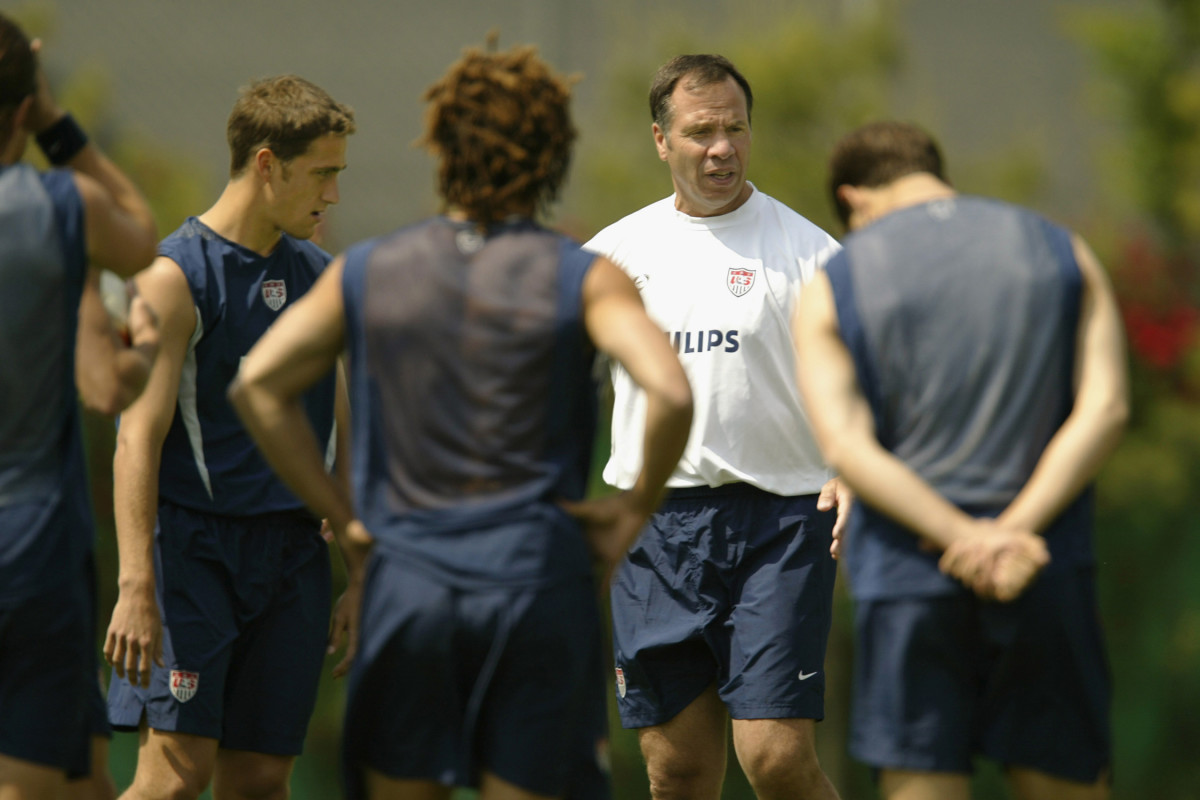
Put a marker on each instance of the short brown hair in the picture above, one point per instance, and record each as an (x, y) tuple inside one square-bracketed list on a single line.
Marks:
[(700, 70), (500, 125), (877, 154), (18, 70), (284, 114)]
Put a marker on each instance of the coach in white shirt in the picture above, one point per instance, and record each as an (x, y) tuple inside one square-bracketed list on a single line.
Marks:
[(723, 608)]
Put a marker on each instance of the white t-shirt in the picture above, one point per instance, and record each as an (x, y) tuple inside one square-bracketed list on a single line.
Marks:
[(723, 288)]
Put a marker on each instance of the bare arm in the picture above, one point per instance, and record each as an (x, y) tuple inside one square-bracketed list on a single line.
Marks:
[(109, 372), (845, 429), (341, 416), (845, 426), (135, 631), (343, 624), (618, 325), (120, 229), (1098, 417)]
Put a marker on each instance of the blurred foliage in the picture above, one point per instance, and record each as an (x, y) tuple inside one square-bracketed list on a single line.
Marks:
[(1148, 537), (1150, 60)]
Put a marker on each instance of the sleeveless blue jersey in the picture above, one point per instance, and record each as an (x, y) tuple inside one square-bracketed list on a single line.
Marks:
[(209, 462), (961, 316), (472, 398), (45, 515)]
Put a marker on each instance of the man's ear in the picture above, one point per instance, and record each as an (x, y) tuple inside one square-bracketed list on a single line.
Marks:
[(849, 195), (265, 163), (857, 200), (660, 140)]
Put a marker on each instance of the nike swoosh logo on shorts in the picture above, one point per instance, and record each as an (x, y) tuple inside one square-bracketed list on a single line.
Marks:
[(805, 676)]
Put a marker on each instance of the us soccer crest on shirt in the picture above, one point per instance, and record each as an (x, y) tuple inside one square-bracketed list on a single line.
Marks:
[(274, 294), (740, 280)]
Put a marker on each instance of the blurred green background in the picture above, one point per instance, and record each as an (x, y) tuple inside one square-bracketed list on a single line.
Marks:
[(1087, 111)]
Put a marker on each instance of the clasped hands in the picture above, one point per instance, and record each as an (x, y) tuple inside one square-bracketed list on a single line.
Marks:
[(995, 562)]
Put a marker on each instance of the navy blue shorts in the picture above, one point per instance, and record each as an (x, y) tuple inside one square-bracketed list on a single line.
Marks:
[(941, 679), (46, 646), (731, 585), (97, 708), (451, 682), (245, 604)]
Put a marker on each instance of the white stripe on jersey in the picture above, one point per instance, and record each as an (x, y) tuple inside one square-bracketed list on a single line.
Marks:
[(187, 405), (331, 447)]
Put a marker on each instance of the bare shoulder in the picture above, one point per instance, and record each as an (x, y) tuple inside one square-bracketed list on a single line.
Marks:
[(816, 307), (606, 278), (1088, 263), (164, 287)]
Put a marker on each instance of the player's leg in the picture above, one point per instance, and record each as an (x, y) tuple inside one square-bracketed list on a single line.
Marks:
[(179, 716), (493, 787), (1045, 713), (897, 784), (400, 735), (685, 756), (669, 603), (43, 730), (1029, 784), (385, 787), (246, 775), (171, 766), (25, 780), (779, 757), (98, 783), (782, 612), (536, 693), (276, 662), (915, 694)]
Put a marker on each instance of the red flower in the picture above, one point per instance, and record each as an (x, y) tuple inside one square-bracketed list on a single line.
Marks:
[(1161, 338)]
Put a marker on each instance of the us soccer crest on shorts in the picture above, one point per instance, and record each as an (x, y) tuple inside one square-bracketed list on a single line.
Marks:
[(620, 682), (740, 280), (184, 684), (274, 294)]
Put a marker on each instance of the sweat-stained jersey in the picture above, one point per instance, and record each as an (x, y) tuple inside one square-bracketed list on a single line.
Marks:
[(45, 515), (724, 289), (472, 400), (209, 462)]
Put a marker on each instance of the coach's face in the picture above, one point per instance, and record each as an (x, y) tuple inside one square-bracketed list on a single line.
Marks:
[(707, 146)]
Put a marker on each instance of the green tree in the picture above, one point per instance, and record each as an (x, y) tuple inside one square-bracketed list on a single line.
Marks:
[(1148, 514)]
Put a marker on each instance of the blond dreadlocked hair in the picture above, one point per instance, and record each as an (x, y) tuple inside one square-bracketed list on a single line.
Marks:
[(501, 127)]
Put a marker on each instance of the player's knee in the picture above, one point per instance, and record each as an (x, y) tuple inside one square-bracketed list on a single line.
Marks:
[(681, 777), (262, 778), (775, 770), (172, 784), (94, 787)]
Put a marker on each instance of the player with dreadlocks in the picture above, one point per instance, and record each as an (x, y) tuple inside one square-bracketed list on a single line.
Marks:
[(471, 338)]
